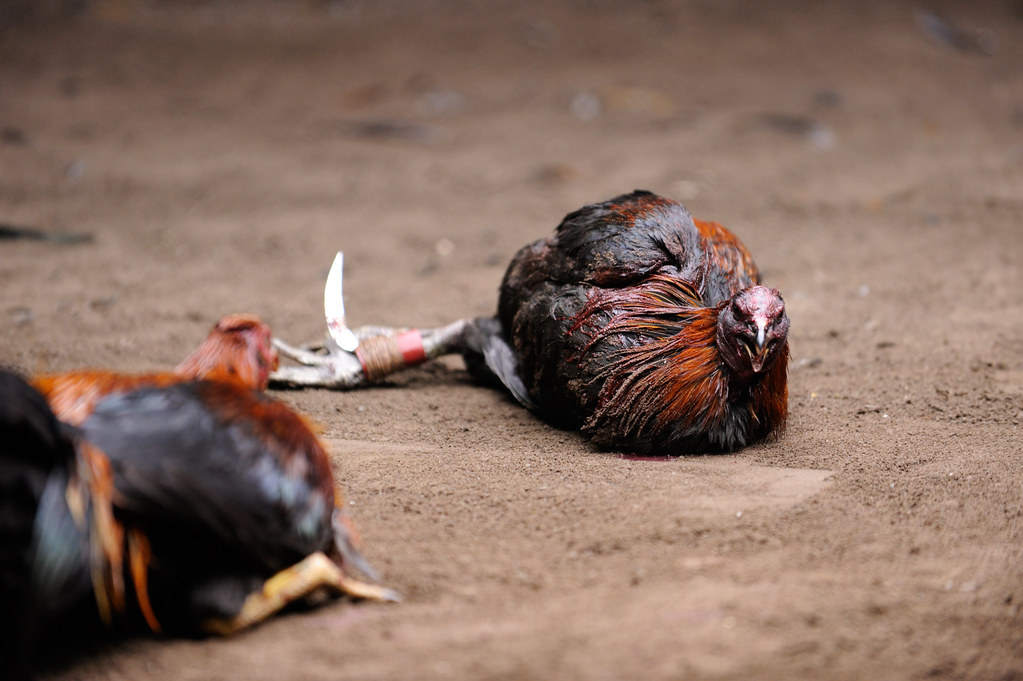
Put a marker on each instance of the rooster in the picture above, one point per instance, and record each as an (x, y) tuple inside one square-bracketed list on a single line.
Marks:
[(237, 502), (239, 348), (643, 327), (195, 507)]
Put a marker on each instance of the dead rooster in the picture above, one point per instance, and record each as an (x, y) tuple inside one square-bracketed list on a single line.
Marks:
[(235, 496), (202, 506), (641, 326)]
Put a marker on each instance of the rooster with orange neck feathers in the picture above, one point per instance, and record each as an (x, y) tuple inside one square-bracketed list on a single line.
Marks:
[(646, 329), (189, 500), (643, 327)]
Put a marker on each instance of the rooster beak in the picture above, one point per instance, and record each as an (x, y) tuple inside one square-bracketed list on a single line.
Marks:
[(760, 356)]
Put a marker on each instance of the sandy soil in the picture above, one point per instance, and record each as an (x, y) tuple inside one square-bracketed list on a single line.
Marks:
[(220, 152)]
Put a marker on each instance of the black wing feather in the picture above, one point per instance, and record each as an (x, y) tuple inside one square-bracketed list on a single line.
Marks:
[(177, 462)]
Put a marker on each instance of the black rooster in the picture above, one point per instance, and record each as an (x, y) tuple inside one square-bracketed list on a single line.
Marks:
[(645, 328), (236, 502), (202, 506)]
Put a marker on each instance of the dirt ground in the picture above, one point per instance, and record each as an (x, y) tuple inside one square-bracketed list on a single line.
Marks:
[(219, 152)]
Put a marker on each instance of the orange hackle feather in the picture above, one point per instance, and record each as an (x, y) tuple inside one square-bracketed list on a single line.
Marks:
[(670, 374), (771, 396), (74, 395), (139, 558), (728, 255), (89, 495), (238, 349)]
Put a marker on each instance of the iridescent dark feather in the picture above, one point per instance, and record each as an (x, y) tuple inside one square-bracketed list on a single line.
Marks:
[(61, 550), (194, 507), (645, 328), (230, 486)]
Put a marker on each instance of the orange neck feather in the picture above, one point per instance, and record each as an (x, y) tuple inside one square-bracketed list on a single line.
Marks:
[(675, 377)]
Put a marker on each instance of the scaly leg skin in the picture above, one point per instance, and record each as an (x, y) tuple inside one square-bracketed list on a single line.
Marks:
[(326, 365), (292, 584), (328, 368), (320, 348), (352, 358)]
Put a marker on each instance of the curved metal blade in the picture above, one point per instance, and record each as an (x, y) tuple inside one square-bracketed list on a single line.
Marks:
[(334, 307)]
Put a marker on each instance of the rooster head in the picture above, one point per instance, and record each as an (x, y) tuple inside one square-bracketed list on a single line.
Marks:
[(239, 348), (752, 330)]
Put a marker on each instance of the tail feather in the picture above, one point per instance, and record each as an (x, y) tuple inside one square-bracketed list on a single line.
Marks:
[(106, 535), (139, 557), (78, 544), (484, 340)]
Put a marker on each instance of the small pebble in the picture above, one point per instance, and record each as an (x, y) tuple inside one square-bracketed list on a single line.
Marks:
[(586, 106)]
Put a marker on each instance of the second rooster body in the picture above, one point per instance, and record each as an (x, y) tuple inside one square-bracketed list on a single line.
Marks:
[(645, 328), (235, 496)]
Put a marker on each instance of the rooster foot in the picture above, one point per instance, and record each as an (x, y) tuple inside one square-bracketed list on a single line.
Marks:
[(350, 358), (293, 584)]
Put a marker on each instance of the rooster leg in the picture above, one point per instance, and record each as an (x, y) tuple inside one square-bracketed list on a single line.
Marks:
[(371, 330), (381, 351), (320, 348), (351, 358), (361, 333), (292, 584), (328, 368)]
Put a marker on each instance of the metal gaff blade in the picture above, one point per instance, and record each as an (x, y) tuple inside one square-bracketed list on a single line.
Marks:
[(334, 307)]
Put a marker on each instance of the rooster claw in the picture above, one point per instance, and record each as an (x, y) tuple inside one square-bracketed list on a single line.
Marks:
[(321, 366), (334, 363), (293, 584), (351, 358)]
